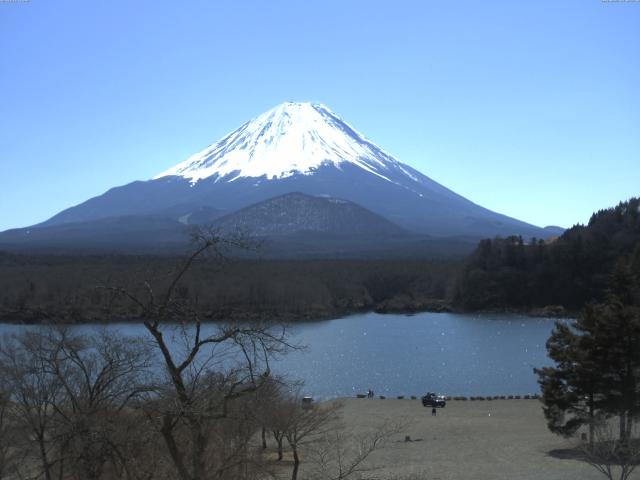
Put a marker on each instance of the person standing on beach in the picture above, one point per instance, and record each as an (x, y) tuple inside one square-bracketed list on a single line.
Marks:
[(433, 412)]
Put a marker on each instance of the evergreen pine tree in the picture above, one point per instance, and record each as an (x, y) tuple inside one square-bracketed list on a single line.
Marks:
[(597, 358)]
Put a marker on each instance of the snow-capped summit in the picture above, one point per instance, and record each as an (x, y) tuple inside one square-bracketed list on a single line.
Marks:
[(297, 147), (292, 138)]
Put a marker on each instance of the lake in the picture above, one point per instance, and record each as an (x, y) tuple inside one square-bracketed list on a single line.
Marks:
[(456, 354)]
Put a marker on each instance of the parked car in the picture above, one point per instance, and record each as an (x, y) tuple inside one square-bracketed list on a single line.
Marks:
[(432, 399)]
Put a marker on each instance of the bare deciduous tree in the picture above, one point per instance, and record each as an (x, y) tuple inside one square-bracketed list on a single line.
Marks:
[(340, 455), (8, 431), (68, 393), (99, 376), (33, 392), (301, 425), (217, 365), (613, 457), (269, 413), (93, 407)]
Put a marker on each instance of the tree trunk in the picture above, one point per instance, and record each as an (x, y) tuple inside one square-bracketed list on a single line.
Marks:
[(279, 440), (623, 427), (199, 449), (591, 420), (296, 464), (174, 451), (43, 457)]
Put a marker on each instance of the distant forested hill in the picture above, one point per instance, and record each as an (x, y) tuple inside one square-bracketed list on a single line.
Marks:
[(513, 273)]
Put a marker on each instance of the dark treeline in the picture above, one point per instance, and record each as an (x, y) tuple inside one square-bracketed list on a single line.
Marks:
[(512, 273), (72, 288)]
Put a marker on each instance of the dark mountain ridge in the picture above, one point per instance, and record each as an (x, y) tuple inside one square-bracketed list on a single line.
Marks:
[(297, 212)]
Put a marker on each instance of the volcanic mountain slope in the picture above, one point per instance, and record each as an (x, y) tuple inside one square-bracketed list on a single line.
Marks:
[(293, 225), (131, 234), (299, 213), (297, 147), (296, 225)]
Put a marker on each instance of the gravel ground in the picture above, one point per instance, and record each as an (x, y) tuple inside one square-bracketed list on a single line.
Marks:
[(479, 440)]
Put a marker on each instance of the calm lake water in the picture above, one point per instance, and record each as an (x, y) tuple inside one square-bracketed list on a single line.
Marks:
[(456, 354)]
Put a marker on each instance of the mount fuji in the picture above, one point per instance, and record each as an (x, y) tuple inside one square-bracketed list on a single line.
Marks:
[(294, 147)]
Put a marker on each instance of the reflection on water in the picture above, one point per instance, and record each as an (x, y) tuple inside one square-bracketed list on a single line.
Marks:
[(456, 354)]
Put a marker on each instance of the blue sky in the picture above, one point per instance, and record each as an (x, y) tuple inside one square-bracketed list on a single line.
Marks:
[(531, 109)]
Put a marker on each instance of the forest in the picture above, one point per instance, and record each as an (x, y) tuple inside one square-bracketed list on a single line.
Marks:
[(570, 271), (76, 289)]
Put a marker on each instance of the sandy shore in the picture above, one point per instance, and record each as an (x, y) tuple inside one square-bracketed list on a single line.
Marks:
[(480, 440)]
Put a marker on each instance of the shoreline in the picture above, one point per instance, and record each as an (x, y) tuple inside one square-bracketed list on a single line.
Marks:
[(35, 317), (451, 398)]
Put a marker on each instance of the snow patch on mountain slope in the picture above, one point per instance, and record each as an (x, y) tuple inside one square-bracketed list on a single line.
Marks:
[(292, 138)]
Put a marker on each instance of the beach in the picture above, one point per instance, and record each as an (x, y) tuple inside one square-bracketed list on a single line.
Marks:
[(480, 440)]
